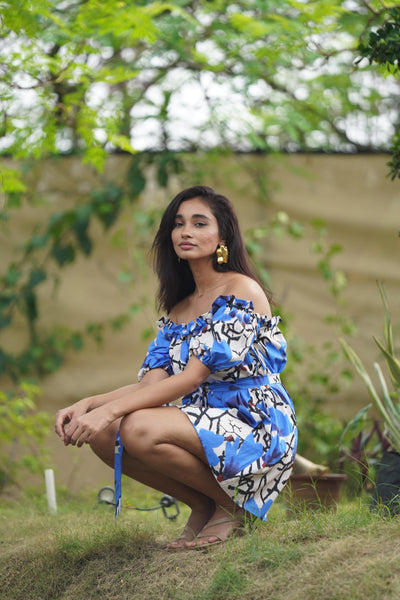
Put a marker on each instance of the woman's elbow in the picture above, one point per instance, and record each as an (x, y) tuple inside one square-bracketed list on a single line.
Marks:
[(195, 374)]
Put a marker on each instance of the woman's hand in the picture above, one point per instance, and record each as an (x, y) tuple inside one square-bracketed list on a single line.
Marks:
[(69, 415), (82, 429)]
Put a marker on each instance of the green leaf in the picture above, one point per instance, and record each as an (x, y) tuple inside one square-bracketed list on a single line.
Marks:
[(355, 426), (36, 276), (107, 203), (11, 181), (52, 363), (136, 178), (390, 413), (147, 333), (12, 276), (122, 141), (296, 229), (77, 341), (357, 363), (387, 320), (84, 242), (125, 276), (6, 300), (319, 224), (334, 249), (4, 321), (38, 241), (392, 362), (63, 255), (82, 214), (134, 309), (30, 305)]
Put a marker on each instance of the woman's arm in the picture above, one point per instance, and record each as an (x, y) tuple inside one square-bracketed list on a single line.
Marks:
[(101, 399), (162, 392), (156, 393), (70, 414)]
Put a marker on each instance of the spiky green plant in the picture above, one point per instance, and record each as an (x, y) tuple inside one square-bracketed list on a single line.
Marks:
[(388, 403)]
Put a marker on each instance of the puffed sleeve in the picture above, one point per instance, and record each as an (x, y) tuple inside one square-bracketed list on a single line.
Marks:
[(227, 335), (157, 356)]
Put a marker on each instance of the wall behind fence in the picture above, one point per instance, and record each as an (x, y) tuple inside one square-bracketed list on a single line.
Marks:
[(361, 208)]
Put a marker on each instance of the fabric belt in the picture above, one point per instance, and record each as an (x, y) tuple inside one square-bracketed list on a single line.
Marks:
[(243, 382)]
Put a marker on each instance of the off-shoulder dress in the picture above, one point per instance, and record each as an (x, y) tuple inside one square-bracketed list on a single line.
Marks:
[(242, 413)]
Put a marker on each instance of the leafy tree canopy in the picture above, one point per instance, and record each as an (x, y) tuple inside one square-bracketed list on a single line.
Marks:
[(383, 47), (89, 76)]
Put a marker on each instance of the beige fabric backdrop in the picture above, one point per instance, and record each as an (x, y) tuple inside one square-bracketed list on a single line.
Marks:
[(352, 193)]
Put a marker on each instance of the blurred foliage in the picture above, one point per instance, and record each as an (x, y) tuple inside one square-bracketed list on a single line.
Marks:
[(364, 439), (387, 402), (383, 47), (57, 244), (383, 44), (22, 433)]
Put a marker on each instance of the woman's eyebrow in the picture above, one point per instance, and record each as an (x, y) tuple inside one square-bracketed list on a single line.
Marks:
[(195, 216)]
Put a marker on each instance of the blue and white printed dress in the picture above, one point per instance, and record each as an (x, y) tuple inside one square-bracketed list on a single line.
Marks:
[(242, 413)]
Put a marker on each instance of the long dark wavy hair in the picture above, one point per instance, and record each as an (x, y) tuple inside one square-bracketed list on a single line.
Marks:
[(175, 277)]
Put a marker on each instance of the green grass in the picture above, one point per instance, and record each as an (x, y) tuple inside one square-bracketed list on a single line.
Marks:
[(82, 553)]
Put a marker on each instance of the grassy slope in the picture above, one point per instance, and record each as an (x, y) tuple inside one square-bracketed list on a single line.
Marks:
[(82, 553)]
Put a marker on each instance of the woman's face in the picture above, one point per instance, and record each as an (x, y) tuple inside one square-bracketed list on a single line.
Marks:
[(195, 234)]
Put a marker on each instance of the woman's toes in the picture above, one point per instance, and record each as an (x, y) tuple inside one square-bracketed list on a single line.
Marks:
[(176, 544), (186, 536)]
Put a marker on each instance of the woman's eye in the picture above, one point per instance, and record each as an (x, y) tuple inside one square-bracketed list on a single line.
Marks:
[(200, 224), (178, 224)]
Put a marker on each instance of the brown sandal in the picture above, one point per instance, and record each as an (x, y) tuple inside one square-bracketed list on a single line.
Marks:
[(237, 529)]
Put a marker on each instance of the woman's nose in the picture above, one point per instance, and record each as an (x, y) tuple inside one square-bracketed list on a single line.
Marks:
[(186, 231)]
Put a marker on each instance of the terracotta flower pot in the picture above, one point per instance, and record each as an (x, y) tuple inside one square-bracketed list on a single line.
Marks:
[(313, 492)]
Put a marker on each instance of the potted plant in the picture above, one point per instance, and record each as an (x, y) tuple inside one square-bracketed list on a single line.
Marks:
[(387, 490), (314, 488)]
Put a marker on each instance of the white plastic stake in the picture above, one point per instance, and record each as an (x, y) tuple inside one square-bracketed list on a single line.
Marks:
[(50, 490)]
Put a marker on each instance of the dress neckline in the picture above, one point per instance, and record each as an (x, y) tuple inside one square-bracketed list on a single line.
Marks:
[(219, 301)]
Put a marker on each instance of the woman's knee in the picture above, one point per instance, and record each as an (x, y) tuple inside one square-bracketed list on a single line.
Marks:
[(103, 444), (135, 432)]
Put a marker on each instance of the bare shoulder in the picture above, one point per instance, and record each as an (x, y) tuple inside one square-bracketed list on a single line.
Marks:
[(178, 311), (246, 288)]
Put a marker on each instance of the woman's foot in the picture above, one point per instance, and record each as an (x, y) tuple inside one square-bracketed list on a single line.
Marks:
[(221, 527), (197, 520), (187, 535)]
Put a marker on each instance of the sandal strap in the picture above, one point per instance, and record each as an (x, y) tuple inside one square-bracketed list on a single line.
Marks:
[(221, 521), (188, 531)]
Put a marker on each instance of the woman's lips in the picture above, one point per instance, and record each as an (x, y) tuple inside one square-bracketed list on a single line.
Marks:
[(186, 246)]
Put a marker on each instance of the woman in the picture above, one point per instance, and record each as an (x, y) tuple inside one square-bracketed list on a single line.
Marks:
[(228, 449)]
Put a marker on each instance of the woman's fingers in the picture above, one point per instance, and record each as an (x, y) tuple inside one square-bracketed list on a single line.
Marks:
[(79, 432), (79, 429), (65, 419), (62, 417)]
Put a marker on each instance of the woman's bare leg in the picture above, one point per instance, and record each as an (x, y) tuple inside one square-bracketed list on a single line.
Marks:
[(165, 442), (163, 450), (202, 506)]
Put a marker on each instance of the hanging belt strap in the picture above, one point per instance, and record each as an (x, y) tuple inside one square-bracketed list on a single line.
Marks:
[(118, 452)]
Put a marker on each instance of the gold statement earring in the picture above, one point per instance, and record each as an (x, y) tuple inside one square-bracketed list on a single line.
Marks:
[(222, 254)]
